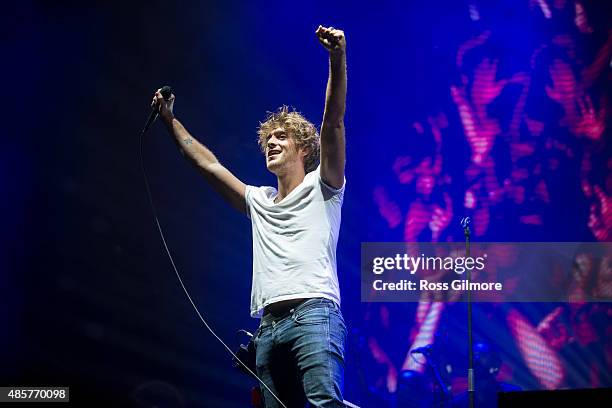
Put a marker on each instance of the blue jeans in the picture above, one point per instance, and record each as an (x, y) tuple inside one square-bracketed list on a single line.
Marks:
[(300, 355)]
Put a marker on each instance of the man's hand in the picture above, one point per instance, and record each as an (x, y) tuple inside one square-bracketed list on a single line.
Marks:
[(332, 39), (164, 107)]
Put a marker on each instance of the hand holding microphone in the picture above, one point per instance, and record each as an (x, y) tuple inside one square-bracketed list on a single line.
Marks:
[(162, 104)]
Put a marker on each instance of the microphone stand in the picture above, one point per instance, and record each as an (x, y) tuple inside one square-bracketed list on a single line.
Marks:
[(465, 223), (443, 388)]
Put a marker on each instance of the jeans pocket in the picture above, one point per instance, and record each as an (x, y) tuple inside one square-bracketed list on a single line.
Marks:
[(311, 315)]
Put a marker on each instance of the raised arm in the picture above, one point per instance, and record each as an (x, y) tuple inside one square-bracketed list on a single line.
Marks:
[(333, 152), (220, 178)]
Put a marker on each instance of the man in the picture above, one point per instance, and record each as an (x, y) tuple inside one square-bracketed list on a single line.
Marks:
[(301, 337)]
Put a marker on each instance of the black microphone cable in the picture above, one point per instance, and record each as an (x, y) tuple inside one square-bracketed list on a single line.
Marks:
[(166, 92)]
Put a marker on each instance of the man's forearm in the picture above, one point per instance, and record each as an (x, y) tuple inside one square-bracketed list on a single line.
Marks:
[(220, 178), (192, 149), (335, 99)]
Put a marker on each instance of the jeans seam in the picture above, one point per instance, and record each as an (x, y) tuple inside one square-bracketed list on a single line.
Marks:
[(329, 356)]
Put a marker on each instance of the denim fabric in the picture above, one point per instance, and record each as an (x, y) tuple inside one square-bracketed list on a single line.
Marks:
[(300, 355)]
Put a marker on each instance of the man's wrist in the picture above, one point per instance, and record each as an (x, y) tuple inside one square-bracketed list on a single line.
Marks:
[(337, 59), (167, 118), (337, 55)]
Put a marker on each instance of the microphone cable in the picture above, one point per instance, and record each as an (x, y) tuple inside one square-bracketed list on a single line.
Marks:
[(161, 234)]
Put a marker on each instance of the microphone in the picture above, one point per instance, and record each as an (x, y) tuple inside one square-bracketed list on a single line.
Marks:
[(465, 224), (425, 350), (166, 92)]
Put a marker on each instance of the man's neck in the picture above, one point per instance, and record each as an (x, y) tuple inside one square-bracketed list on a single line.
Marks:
[(288, 181)]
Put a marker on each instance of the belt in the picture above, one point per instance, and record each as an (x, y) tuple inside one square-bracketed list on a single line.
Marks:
[(282, 308)]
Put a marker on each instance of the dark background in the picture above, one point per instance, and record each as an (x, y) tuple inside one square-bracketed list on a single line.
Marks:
[(89, 299)]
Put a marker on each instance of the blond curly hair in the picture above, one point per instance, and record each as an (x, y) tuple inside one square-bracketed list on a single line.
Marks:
[(298, 127)]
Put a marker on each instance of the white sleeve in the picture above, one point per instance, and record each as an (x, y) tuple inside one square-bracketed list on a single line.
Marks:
[(329, 188), (248, 199)]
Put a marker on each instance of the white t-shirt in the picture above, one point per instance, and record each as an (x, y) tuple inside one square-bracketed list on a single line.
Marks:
[(294, 242)]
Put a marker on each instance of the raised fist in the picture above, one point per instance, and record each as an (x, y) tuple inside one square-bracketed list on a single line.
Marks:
[(332, 39)]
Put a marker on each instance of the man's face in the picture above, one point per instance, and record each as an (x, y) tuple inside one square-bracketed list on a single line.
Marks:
[(281, 152)]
